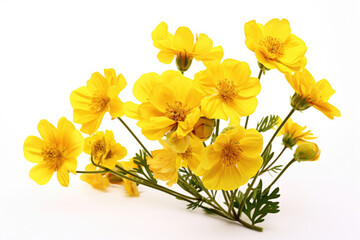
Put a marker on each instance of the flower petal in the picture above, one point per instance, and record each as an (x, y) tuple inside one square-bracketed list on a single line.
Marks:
[(63, 176), (47, 131), (116, 108), (32, 149), (41, 173), (183, 39)]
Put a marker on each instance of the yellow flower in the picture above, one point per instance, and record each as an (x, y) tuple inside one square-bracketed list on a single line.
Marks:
[(130, 186), (104, 149), (164, 164), (307, 151), (310, 93), (293, 133), (229, 90), (98, 181), (183, 47), (100, 95), (55, 152), (232, 160), (274, 45), (169, 102)]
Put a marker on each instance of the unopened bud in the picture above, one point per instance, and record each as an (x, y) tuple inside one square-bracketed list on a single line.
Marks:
[(307, 151), (204, 128), (114, 179), (183, 61)]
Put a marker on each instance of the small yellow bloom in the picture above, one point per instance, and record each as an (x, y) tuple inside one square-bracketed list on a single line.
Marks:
[(232, 160), (310, 93), (183, 47), (55, 152), (293, 133), (307, 151), (229, 90), (97, 181), (100, 95), (274, 45), (130, 186), (169, 102), (104, 149), (164, 164)]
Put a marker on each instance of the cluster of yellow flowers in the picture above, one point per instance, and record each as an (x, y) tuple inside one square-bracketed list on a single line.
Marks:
[(184, 115)]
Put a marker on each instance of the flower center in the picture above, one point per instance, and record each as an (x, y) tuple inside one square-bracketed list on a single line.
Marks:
[(176, 111), (99, 149), (99, 104), (273, 45), (52, 156), (187, 154), (227, 90), (231, 154)]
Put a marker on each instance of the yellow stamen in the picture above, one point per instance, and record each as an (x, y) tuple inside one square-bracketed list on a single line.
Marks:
[(176, 111), (99, 149), (273, 45), (52, 156), (231, 154), (99, 104), (227, 89), (187, 154)]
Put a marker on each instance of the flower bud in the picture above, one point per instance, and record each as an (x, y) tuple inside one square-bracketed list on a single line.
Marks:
[(183, 61), (204, 128), (299, 103), (114, 179), (307, 151)]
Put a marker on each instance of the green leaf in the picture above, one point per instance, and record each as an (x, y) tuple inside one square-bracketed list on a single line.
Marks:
[(194, 205), (140, 160), (190, 178), (267, 123), (259, 204), (267, 155)]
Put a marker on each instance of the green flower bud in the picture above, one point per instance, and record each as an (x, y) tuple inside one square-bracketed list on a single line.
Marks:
[(299, 103), (204, 128), (183, 62), (307, 151)]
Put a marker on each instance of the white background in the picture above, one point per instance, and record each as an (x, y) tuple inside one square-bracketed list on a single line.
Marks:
[(48, 49)]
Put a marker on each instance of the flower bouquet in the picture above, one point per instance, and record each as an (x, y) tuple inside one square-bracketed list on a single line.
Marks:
[(209, 163)]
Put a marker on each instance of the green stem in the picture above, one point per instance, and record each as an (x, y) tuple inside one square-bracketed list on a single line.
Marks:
[(247, 118), (267, 169), (217, 127), (246, 195), (91, 172), (140, 180), (136, 138), (278, 130), (281, 173)]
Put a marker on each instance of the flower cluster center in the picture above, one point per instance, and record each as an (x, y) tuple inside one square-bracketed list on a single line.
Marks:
[(99, 149), (187, 154), (231, 154), (176, 111), (273, 45), (227, 89), (52, 156), (99, 104)]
